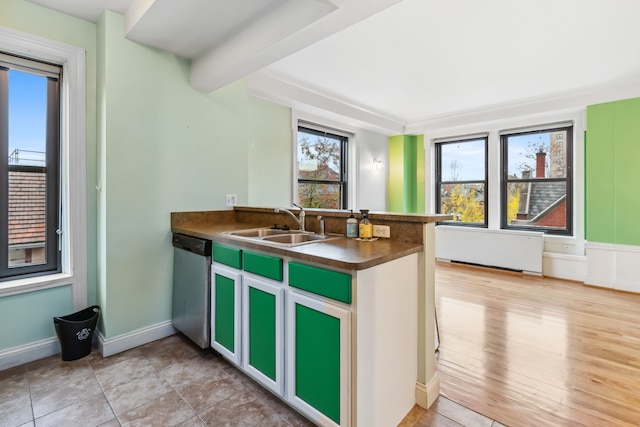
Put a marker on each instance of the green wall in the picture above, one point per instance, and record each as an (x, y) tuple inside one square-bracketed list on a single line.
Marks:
[(406, 181), (270, 154), (153, 146), (163, 147), (30, 314), (612, 172)]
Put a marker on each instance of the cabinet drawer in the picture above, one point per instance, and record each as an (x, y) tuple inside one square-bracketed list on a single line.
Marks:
[(263, 265), (330, 284), (227, 256)]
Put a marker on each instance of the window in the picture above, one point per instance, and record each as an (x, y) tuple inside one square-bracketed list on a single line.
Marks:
[(72, 255), (321, 167), (30, 148), (461, 180), (537, 180)]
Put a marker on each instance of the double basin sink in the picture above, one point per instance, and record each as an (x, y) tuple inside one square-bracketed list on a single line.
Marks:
[(279, 237)]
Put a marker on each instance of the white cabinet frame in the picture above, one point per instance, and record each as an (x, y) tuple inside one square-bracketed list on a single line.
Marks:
[(234, 356), (277, 290), (344, 316)]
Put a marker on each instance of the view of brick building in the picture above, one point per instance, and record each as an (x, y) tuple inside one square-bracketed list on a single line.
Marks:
[(27, 205), (543, 203)]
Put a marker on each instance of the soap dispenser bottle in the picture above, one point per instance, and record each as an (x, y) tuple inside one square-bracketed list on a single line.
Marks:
[(365, 227), (352, 226)]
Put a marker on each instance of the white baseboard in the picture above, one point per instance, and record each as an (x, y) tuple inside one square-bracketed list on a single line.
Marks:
[(433, 390), (421, 395), (120, 343), (51, 346), (613, 266), (427, 394), (28, 353)]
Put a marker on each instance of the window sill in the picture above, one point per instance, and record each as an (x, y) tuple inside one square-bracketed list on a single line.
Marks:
[(31, 284)]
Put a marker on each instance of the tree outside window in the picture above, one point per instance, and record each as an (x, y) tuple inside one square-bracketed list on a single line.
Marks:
[(461, 174), (321, 169)]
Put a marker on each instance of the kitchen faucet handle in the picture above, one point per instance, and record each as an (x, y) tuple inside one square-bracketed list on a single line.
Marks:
[(321, 219), (301, 215)]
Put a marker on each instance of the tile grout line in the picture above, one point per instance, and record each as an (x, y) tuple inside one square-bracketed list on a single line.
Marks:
[(105, 395), (26, 377), (180, 395)]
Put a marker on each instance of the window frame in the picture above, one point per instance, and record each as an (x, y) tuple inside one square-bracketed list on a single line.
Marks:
[(568, 147), (51, 168), (439, 182), (73, 218), (345, 139)]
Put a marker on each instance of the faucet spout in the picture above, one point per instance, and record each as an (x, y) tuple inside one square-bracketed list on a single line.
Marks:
[(300, 220), (291, 214)]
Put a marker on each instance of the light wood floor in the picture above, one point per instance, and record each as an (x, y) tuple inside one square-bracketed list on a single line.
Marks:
[(532, 351)]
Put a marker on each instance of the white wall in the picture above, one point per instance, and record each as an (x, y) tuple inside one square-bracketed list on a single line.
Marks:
[(371, 132), (365, 181), (372, 182)]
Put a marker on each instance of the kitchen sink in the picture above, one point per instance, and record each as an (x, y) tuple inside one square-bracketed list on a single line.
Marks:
[(278, 237), (263, 232)]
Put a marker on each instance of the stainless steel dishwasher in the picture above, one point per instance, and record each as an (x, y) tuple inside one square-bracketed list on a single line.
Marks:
[(192, 288)]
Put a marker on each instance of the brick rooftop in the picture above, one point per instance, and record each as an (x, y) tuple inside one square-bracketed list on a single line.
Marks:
[(27, 207)]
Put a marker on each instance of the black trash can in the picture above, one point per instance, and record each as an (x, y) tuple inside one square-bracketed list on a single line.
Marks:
[(75, 332)]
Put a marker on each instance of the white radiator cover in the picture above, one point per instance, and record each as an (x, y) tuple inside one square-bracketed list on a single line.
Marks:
[(516, 250)]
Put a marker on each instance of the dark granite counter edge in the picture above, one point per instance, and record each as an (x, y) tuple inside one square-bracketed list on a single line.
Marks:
[(314, 252), (406, 234)]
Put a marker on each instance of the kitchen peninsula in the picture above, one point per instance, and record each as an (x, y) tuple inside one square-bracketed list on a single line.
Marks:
[(341, 329)]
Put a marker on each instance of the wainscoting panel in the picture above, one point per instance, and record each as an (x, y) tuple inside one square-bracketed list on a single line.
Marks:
[(613, 266)]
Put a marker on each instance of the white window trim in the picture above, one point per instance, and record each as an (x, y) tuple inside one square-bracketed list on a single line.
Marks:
[(353, 173), (73, 163), (494, 128)]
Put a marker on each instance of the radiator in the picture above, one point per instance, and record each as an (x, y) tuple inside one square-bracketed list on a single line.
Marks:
[(515, 250)]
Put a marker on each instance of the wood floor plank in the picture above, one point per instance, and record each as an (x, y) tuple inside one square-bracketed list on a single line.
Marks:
[(533, 351)]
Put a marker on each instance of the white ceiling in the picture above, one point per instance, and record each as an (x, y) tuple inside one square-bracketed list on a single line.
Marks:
[(403, 61)]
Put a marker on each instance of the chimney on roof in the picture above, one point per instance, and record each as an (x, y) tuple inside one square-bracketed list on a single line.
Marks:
[(541, 158)]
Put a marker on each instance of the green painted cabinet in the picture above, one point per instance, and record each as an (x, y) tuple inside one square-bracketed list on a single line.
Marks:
[(320, 281), (318, 357), (226, 294), (263, 332), (247, 313), (257, 322)]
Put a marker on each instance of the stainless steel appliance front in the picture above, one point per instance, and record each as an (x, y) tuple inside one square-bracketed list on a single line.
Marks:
[(192, 288)]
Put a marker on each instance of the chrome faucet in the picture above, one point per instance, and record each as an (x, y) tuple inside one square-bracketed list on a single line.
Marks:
[(300, 221)]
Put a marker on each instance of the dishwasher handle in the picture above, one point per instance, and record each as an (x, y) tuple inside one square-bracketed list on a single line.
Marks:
[(192, 244)]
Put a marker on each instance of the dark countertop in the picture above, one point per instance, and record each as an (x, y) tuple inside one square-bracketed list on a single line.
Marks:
[(343, 253), (348, 254)]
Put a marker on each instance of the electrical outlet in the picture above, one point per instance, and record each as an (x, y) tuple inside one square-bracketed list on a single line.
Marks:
[(381, 231), (230, 199)]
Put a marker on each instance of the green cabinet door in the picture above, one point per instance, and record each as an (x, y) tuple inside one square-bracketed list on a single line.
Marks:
[(263, 330), (225, 312), (318, 353)]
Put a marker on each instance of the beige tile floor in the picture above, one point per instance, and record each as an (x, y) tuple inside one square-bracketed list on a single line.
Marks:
[(169, 382)]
